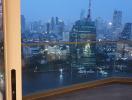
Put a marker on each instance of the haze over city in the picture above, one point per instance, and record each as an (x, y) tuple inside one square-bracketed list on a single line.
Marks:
[(69, 10)]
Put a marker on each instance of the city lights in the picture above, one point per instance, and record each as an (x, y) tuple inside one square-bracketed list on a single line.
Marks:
[(74, 44)]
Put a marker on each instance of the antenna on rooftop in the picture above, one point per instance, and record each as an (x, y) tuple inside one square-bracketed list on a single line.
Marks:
[(89, 10)]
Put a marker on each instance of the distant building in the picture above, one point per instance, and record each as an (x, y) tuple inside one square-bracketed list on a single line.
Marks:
[(109, 32), (66, 36), (56, 27), (56, 20), (52, 24), (82, 14), (117, 24), (101, 29), (59, 29), (126, 34), (47, 28), (37, 27), (117, 19)]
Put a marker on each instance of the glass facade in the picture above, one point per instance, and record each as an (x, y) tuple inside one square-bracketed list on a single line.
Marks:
[(60, 49), (2, 69)]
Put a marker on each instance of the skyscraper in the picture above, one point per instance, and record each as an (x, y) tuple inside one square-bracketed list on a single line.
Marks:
[(52, 24), (57, 20), (48, 28), (59, 28), (83, 32), (117, 19), (82, 14), (101, 29), (117, 23), (126, 34), (36, 26)]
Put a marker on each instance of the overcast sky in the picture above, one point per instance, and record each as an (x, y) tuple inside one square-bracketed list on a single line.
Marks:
[(69, 10)]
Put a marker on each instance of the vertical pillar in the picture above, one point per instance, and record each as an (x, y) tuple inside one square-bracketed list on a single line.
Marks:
[(12, 43)]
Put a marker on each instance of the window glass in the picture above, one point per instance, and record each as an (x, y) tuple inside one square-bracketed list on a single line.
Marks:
[(2, 68), (66, 42)]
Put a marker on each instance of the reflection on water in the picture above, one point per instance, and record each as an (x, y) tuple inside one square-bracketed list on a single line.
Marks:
[(49, 66), (37, 82), (61, 75)]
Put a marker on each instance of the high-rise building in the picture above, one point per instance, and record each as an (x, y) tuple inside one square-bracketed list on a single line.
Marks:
[(126, 34), (101, 29), (23, 23), (117, 24), (82, 33), (59, 29), (37, 27), (82, 14), (57, 20), (117, 19), (52, 23), (48, 28)]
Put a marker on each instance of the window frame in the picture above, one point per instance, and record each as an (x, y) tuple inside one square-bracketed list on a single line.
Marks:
[(12, 46)]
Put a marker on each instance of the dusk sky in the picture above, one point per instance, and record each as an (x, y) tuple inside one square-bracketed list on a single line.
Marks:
[(69, 10)]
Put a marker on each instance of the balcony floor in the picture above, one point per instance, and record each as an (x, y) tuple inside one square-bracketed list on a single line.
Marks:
[(109, 92)]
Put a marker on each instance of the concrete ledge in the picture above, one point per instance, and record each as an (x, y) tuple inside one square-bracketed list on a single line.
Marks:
[(77, 87)]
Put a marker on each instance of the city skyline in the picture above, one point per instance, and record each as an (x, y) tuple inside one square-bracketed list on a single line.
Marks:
[(72, 12), (63, 45)]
